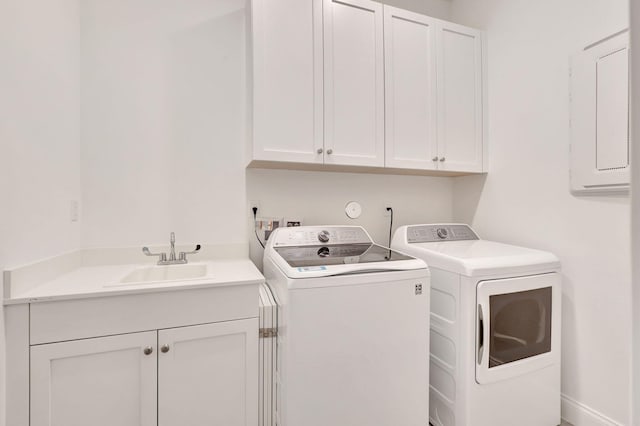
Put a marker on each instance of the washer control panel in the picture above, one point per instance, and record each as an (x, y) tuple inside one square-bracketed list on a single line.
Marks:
[(440, 232), (319, 235)]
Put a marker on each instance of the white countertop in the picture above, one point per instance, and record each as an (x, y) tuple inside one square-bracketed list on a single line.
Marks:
[(86, 281)]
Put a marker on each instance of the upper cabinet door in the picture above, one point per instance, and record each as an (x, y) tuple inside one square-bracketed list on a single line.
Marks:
[(353, 83), (287, 80), (410, 90), (460, 118)]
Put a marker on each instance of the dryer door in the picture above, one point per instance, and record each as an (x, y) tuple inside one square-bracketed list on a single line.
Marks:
[(517, 326)]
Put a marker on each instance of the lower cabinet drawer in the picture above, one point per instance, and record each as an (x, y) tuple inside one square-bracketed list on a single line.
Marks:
[(103, 316)]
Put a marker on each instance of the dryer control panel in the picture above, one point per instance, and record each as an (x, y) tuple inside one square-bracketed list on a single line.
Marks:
[(440, 232)]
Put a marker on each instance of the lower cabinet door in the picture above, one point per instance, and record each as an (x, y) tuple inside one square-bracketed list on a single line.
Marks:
[(104, 381), (208, 374)]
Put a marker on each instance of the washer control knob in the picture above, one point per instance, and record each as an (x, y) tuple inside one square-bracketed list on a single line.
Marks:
[(323, 236), (324, 252), (442, 233)]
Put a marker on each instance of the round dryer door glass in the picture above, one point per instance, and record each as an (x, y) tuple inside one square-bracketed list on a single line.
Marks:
[(520, 325)]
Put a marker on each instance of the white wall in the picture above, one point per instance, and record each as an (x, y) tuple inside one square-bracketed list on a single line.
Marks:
[(39, 128), (319, 198), (163, 125), (525, 198), (163, 87), (39, 134)]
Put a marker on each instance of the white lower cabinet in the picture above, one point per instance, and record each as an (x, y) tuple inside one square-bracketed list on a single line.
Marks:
[(104, 381), (184, 376), (208, 374), (173, 358)]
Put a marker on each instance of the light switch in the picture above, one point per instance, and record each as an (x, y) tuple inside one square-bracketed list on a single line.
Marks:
[(73, 211)]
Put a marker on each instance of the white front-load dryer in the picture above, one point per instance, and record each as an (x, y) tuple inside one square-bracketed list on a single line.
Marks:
[(495, 328), (353, 326)]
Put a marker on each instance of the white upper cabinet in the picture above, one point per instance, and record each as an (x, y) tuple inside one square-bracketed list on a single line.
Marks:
[(356, 83), (460, 87), (600, 141), (287, 80), (410, 90), (353, 83)]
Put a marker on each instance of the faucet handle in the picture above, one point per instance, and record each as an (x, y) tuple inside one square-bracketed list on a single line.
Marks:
[(162, 256), (183, 254)]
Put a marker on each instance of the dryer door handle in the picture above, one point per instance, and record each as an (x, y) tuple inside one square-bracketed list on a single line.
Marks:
[(481, 335)]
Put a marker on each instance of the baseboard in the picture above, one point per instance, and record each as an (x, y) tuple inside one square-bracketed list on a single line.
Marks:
[(579, 414)]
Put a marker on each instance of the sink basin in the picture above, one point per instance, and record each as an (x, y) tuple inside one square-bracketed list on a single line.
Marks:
[(154, 274)]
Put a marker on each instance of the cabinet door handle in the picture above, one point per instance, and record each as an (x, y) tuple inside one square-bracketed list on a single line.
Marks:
[(329, 151), (148, 350), (319, 151), (435, 158), (442, 159), (164, 349)]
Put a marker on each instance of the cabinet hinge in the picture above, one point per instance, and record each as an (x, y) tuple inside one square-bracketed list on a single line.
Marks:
[(268, 332)]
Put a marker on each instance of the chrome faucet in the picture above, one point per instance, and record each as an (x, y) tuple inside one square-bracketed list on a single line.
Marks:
[(172, 241), (182, 256)]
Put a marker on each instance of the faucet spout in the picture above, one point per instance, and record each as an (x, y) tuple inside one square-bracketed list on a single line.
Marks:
[(172, 240)]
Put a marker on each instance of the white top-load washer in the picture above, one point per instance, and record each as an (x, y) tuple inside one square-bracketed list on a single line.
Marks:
[(495, 328), (352, 329)]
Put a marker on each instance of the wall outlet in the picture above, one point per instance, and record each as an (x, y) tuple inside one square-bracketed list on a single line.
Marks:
[(252, 204), (266, 225), (292, 221)]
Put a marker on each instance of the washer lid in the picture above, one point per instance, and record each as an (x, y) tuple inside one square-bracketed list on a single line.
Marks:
[(347, 259), (324, 251), (343, 254), (480, 257)]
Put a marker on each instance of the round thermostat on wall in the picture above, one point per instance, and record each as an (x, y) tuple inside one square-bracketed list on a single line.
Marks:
[(353, 209)]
